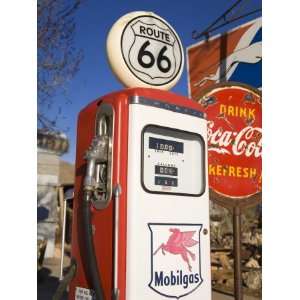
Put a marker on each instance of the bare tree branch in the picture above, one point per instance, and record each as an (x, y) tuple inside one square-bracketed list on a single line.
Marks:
[(58, 60)]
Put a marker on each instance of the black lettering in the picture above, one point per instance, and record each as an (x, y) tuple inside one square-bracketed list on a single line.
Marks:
[(159, 278), (142, 30), (166, 280), (176, 278), (149, 31), (173, 278), (167, 37), (185, 281), (156, 33), (191, 278)]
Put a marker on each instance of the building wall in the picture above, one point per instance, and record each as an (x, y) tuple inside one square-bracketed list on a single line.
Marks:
[(47, 182)]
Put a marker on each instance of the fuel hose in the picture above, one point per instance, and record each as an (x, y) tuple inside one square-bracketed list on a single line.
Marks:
[(90, 257)]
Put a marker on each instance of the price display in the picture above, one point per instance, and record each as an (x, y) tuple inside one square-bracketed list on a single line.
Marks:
[(165, 145)]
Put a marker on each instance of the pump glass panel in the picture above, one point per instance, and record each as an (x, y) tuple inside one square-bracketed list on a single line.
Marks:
[(172, 161)]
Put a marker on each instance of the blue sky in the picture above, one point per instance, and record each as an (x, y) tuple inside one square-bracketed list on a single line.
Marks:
[(93, 21)]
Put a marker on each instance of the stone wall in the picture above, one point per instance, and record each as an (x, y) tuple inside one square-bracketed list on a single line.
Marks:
[(47, 177)]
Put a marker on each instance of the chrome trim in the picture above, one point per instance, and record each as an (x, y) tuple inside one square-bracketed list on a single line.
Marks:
[(117, 193), (168, 106), (104, 127)]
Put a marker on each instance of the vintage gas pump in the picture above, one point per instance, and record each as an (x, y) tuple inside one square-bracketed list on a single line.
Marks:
[(141, 209)]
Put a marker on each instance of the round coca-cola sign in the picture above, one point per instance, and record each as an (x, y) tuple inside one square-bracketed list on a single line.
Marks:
[(234, 139)]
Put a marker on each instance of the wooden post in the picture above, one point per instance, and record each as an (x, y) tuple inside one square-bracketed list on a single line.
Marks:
[(236, 207)]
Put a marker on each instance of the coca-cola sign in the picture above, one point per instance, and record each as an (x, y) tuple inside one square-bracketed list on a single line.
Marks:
[(234, 139)]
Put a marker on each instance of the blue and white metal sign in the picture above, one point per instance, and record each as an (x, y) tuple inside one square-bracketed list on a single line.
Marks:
[(233, 56)]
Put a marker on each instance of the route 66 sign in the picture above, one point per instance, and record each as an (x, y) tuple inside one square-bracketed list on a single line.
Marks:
[(145, 51)]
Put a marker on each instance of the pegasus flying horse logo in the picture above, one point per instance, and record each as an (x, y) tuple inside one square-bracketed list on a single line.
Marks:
[(178, 243), (175, 259)]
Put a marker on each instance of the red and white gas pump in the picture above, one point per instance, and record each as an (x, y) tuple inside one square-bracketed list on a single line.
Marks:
[(141, 209)]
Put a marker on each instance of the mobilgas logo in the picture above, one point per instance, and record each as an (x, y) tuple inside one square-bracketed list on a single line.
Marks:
[(178, 278), (175, 259)]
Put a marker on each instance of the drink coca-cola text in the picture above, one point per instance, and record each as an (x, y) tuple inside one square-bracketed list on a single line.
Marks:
[(245, 142)]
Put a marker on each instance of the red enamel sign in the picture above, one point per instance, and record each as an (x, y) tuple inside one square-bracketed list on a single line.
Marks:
[(234, 140)]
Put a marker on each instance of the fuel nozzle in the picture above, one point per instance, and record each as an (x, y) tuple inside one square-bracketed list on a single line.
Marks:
[(96, 156), (98, 180)]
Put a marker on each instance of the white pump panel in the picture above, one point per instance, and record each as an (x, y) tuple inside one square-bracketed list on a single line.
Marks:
[(168, 244)]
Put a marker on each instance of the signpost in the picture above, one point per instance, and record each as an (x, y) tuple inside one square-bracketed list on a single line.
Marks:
[(234, 154)]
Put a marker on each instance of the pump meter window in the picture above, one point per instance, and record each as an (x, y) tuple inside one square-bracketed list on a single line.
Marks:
[(172, 161)]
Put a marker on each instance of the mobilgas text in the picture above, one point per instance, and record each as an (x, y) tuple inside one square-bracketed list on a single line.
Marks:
[(175, 278)]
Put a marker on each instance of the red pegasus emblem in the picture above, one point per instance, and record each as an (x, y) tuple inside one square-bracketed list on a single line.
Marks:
[(178, 243)]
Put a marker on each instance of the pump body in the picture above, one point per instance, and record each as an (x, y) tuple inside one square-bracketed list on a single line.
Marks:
[(142, 157)]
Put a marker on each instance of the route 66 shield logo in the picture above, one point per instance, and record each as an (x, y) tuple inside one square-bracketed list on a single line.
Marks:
[(175, 259), (145, 51), (155, 48)]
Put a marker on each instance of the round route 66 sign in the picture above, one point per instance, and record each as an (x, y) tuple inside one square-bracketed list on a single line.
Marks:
[(145, 51)]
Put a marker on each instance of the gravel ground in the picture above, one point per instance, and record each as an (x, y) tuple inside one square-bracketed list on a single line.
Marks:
[(48, 280)]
